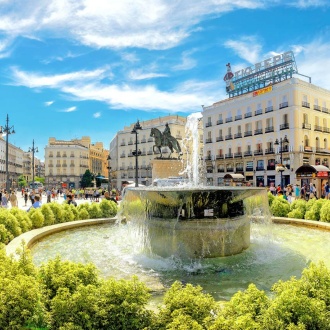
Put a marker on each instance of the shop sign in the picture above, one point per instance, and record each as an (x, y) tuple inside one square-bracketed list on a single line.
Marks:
[(322, 174)]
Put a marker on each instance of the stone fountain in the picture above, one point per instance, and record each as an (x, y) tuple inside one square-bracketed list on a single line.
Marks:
[(191, 220)]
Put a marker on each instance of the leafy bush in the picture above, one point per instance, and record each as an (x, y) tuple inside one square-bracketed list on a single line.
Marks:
[(67, 213), (296, 214), (299, 204), (271, 198), (74, 211), (5, 235), (57, 211), (23, 219), (83, 214), (94, 211), (280, 207), (37, 218), (325, 212), (109, 208), (10, 222), (49, 218), (314, 212)]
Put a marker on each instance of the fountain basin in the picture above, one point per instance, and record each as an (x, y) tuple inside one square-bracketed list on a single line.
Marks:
[(193, 222)]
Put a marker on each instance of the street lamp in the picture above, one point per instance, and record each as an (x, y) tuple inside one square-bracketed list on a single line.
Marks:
[(280, 167), (109, 173), (7, 130), (137, 152), (33, 150)]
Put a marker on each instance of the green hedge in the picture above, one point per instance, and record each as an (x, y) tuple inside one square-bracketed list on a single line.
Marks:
[(66, 295), (14, 221), (314, 209)]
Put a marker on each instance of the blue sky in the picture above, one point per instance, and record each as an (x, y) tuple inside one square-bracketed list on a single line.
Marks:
[(70, 68)]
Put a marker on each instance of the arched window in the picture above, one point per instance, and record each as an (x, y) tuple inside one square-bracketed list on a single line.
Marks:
[(317, 143)]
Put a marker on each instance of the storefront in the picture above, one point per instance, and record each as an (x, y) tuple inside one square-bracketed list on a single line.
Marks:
[(234, 179), (316, 174)]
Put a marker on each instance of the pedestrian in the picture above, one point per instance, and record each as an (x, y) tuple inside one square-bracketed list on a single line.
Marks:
[(326, 190), (4, 200), (107, 197), (70, 200), (13, 199), (26, 197), (36, 203)]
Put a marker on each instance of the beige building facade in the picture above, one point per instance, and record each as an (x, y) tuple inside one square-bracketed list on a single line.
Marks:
[(251, 134), (122, 149), (67, 161)]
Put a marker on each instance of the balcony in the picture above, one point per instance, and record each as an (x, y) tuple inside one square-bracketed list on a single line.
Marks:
[(306, 126), (238, 135), (143, 141), (209, 124), (229, 137), (248, 115), (221, 170), (230, 169), (230, 155), (258, 152), (269, 151), (122, 144), (122, 156), (150, 152), (258, 112), (130, 167), (239, 169), (269, 129), (270, 167), (130, 143), (269, 109), (247, 153), (50, 156), (219, 157), (150, 139), (238, 155), (249, 169), (305, 104), (71, 165), (324, 109), (229, 119), (64, 165), (318, 128), (317, 107), (284, 149), (209, 140), (208, 157), (284, 126), (326, 130), (258, 131), (247, 133), (50, 165), (260, 168), (219, 122), (283, 105), (239, 117), (219, 138)]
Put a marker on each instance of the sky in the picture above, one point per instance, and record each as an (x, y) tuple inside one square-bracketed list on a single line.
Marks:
[(71, 68)]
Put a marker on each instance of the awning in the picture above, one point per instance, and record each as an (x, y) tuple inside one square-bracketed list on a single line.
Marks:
[(312, 171), (235, 176)]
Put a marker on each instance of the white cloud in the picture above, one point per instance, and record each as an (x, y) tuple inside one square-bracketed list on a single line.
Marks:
[(247, 47), (97, 115), (71, 109), (151, 24), (309, 3), (187, 62), (47, 104), (33, 80), (312, 59), (139, 75)]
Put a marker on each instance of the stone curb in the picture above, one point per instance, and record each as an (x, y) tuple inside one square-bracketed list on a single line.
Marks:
[(33, 236), (302, 223)]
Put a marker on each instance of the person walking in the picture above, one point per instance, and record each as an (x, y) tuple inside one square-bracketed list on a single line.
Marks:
[(26, 197), (13, 199), (4, 200)]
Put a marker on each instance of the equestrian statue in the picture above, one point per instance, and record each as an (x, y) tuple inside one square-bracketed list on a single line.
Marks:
[(165, 139)]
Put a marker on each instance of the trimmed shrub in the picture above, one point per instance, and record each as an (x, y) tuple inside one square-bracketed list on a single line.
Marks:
[(23, 219), (314, 212), (57, 211), (325, 212), (83, 214), (94, 211), (37, 218), (271, 198), (5, 235), (10, 222), (109, 208), (67, 213), (48, 214), (280, 207)]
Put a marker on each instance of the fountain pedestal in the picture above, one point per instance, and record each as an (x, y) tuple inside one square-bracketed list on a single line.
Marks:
[(193, 222), (165, 168)]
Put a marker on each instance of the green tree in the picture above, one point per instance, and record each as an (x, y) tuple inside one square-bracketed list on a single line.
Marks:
[(21, 181), (87, 179)]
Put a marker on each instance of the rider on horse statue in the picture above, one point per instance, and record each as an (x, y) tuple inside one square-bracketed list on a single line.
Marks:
[(166, 134)]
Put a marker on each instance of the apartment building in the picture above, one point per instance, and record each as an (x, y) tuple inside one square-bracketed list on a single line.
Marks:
[(122, 149), (67, 161), (287, 122)]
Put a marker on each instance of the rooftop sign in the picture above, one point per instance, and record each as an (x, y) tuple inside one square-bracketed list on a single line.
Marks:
[(261, 75)]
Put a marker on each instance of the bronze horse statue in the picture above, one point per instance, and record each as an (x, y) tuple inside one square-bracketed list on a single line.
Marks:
[(170, 142)]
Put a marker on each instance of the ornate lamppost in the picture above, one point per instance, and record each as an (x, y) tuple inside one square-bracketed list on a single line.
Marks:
[(33, 150), (7, 130), (137, 152), (280, 167)]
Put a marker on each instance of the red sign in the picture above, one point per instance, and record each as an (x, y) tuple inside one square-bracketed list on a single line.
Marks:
[(323, 174)]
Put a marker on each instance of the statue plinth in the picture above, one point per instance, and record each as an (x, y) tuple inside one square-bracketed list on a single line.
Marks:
[(164, 168)]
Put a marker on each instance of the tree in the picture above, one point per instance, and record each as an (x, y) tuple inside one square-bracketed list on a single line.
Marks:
[(21, 181), (87, 180)]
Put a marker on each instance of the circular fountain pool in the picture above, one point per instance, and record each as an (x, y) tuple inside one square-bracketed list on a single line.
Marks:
[(276, 252)]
